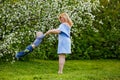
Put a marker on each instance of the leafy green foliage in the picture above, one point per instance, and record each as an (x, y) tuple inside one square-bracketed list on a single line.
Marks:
[(107, 21), (95, 33)]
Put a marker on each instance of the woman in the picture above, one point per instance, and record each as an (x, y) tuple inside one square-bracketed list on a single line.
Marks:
[(64, 41)]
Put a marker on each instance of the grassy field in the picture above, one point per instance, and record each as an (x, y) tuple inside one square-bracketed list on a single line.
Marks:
[(73, 70)]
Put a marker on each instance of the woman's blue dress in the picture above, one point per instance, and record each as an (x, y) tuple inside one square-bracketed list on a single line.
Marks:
[(64, 41)]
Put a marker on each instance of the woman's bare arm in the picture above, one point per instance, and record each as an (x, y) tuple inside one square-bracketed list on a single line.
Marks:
[(53, 31)]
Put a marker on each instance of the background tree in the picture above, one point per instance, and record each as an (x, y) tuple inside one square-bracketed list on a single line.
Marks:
[(95, 33)]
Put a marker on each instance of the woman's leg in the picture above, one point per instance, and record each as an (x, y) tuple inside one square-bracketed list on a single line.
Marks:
[(61, 63)]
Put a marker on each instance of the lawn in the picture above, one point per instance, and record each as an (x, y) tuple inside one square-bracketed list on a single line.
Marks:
[(73, 70)]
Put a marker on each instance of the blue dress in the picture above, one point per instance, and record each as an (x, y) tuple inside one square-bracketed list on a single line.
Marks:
[(64, 41)]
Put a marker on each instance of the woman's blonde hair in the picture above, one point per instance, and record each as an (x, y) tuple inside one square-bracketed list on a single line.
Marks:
[(66, 17)]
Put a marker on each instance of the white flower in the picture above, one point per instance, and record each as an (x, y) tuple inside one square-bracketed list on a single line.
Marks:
[(1, 54)]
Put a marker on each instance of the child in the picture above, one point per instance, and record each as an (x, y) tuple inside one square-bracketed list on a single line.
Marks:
[(64, 41), (30, 48)]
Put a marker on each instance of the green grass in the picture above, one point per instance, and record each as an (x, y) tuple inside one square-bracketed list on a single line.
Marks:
[(73, 70)]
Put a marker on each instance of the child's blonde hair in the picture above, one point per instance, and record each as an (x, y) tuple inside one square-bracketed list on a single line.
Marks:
[(66, 17), (39, 34)]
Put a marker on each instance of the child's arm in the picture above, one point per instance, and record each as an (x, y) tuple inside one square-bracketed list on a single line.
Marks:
[(53, 31)]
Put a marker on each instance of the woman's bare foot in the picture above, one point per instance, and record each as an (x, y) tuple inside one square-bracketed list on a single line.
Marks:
[(60, 72)]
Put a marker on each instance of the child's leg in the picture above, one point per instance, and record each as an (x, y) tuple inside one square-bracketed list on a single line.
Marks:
[(24, 52)]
